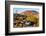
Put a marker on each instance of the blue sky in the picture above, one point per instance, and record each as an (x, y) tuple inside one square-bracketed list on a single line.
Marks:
[(23, 9)]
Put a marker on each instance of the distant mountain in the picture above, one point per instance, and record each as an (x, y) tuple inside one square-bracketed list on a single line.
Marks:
[(28, 12)]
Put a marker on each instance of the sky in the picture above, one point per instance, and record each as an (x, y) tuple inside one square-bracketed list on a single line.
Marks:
[(15, 10)]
